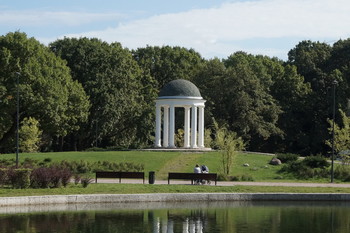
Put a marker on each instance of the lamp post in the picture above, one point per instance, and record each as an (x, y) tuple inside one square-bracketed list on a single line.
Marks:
[(17, 118), (334, 83)]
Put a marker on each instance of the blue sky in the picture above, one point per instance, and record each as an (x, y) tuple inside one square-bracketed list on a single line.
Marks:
[(214, 28)]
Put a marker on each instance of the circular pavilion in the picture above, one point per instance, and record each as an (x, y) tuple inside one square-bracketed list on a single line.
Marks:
[(179, 93)]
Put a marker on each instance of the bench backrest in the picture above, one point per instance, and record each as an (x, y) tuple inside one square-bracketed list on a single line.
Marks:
[(204, 176), (132, 175), (120, 175), (107, 174)]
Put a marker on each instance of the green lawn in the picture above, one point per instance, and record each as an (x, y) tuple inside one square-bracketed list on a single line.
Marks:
[(164, 162), (148, 188)]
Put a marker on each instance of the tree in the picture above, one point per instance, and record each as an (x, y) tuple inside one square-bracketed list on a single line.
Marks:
[(30, 135), (313, 60), (229, 144), (238, 96), (167, 63), (341, 133), (291, 94), (47, 91), (121, 95)]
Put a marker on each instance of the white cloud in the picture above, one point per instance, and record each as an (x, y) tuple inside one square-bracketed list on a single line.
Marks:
[(220, 30), (46, 18)]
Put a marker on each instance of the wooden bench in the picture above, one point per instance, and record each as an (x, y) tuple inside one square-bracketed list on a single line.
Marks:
[(120, 175), (192, 176)]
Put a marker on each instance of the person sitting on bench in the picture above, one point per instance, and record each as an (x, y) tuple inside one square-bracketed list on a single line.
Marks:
[(197, 169)]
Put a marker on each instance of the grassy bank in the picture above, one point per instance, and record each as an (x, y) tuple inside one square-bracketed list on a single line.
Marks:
[(140, 188), (164, 162)]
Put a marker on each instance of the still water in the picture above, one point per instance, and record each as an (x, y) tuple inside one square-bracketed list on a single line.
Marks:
[(225, 217)]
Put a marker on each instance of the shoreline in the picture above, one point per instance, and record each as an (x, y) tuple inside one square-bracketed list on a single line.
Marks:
[(167, 197)]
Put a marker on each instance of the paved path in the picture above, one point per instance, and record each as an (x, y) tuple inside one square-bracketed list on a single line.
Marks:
[(232, 183)]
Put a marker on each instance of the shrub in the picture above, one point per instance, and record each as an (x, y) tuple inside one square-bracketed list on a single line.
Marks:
[(342, 172), (65, 175), (235, 178), (305, 170), (19, 178), (247, 177), (317, 161), (28, 162), (85, 181), (7, 162), (47, 160), (286, 158), (244, 177), (50, 177), (3, 176), (41, 177), (77, 179), (222, 177)]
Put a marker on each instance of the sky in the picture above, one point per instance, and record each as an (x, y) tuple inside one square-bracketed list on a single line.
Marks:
[(214, 28)]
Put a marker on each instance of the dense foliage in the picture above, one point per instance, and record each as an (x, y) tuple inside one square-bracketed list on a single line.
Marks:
[(88, 93)]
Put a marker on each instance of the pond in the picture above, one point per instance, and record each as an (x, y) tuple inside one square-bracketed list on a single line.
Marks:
[(182, 217)]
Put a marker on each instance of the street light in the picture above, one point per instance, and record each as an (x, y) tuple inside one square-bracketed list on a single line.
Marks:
[(17, 119), (334, 83)]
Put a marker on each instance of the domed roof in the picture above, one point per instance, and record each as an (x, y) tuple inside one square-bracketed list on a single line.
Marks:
[(179, 87)]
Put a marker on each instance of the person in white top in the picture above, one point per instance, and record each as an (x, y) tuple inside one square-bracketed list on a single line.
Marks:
[(197, 169)]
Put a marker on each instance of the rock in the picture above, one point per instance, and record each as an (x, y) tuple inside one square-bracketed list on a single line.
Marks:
[(246, 164), (275, 161)]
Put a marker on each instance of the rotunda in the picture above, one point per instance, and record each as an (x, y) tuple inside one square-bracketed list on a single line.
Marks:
[(180, 93)]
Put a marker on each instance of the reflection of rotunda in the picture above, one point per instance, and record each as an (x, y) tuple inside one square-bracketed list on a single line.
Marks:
[(180, 94)]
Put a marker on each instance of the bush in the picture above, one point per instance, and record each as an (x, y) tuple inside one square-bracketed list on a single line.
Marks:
[(50, 177), (222, 177), (244, 177), (305, 169), (342, 172), (28, 162), (77, 179), (7, 162), (85, 181), (286, 158), (3, 176), (41, 177), (19, 178), (317, 161), (247, 177)]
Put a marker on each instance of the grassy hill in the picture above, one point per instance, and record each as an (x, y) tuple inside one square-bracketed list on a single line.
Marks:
[(164, 162)]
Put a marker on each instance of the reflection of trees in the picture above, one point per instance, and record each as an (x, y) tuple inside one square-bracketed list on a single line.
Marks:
[(262, 218)]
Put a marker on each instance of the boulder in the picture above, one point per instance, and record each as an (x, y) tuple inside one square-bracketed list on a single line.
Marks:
[(275, 161)]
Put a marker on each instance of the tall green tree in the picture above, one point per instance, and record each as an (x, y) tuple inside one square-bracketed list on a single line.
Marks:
[(238, 95), (168, 63), (291, 93), (341, 133), (30, 135), (312, 60), (121, 94), (47, 91)]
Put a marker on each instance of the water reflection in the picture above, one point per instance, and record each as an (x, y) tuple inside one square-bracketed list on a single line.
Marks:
[(226, 217)]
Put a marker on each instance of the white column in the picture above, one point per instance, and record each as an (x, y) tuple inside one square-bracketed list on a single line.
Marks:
[(157, 142), (172, 127), (187, 127), (201, 127), (194, 127), (166, 127)]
